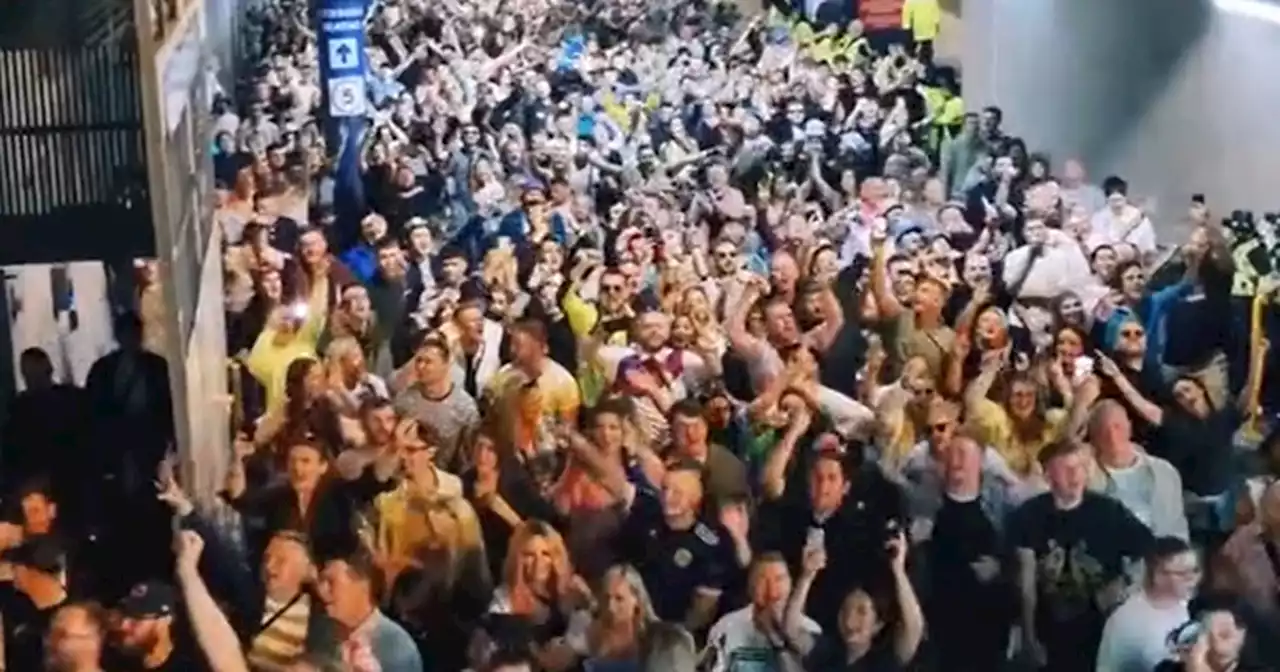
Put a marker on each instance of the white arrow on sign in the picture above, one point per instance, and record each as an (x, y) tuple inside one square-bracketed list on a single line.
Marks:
[(344, 53), (346, 97)]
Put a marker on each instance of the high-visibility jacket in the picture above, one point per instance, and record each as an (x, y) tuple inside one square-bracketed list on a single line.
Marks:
[(923, 18)]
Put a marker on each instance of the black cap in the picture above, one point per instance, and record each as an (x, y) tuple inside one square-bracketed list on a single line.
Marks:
[(153, 599), (41, 553)]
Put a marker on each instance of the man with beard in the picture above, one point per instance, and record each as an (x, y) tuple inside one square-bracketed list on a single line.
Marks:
[(611, 314), (655, 375), (146, 632), (781, 330)]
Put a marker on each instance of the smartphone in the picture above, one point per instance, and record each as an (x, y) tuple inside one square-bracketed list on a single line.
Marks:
[(1082, 368), (1185, 635), (817, 539)]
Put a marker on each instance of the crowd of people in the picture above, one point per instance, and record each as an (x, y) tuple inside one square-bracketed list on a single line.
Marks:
[(664, 338)]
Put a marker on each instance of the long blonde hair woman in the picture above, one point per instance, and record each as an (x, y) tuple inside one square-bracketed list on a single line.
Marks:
[(539, 586), (696, 305), (537, 576), (615, 629)]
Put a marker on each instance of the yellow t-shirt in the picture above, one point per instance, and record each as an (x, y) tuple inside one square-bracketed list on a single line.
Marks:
[(994, 428), (557, 388)]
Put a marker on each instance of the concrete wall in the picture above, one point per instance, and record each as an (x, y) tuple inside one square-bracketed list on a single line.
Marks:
[(1177, 96)]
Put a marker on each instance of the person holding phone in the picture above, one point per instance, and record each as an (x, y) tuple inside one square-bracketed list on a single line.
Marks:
[(1135, 636), (1216, 641)]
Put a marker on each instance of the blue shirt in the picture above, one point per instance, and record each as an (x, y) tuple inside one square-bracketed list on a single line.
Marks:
[(362, 260)]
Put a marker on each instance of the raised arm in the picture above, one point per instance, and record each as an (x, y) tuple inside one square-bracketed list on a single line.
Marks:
[(213, 632), (822, 336), (740, 339), (606, 472), (773, 479), (813, 562), (889, 306), (910, 630), (1145, 408), (977, 391)]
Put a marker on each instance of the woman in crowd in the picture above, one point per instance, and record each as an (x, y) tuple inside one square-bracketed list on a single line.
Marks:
[(610, 637)]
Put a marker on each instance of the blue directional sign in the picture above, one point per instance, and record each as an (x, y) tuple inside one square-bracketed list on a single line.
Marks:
[(340, 27), (341, 33)]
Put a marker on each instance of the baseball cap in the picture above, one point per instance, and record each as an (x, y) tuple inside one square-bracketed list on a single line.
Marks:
[(152, 599), (41, 553)]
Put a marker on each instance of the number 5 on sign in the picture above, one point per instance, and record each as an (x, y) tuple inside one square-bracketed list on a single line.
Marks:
[(346, 97)]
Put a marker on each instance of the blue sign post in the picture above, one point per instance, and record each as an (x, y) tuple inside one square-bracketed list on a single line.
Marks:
[(341, 32)]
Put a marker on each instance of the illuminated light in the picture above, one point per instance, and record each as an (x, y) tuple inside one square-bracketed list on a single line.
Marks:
[(1253, 9)]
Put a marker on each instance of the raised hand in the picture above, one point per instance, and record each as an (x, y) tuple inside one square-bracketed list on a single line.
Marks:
[(187, 547)]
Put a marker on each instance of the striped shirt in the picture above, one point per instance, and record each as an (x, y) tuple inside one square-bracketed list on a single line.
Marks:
[(283, 642)]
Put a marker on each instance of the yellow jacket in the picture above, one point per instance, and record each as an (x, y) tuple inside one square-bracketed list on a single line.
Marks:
[(923, 18)]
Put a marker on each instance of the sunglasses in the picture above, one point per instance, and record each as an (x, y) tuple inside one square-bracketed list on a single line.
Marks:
[(416, 447), (725, 254), (613, 288)]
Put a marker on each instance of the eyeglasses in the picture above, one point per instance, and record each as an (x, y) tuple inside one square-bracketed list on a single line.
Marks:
[(613, 288)]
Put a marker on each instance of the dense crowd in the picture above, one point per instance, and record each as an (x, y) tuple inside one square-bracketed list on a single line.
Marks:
[(667, 339)]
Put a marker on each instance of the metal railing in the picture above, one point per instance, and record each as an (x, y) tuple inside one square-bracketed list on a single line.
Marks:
[(71, 151)]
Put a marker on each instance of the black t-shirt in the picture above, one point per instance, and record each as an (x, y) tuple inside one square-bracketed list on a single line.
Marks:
[(185, 657), (1199, 324), (1078, 553), (674, 563), (830, 655), (1198, 448), (962, 534), (24, 629), (855, 537)]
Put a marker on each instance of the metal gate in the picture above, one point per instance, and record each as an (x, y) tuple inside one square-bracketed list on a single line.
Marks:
[(73, 180)]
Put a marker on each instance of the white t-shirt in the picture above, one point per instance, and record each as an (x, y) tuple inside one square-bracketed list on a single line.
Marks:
[(1135, 636), (1133, 485), (741, 647)]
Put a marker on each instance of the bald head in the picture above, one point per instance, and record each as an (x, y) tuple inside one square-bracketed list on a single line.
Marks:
[(1111, 433)]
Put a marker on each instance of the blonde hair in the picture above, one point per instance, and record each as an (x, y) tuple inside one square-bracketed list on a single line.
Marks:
[(628, 575), (416, 534), (499, 269), (523, 599), (341, 347)]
